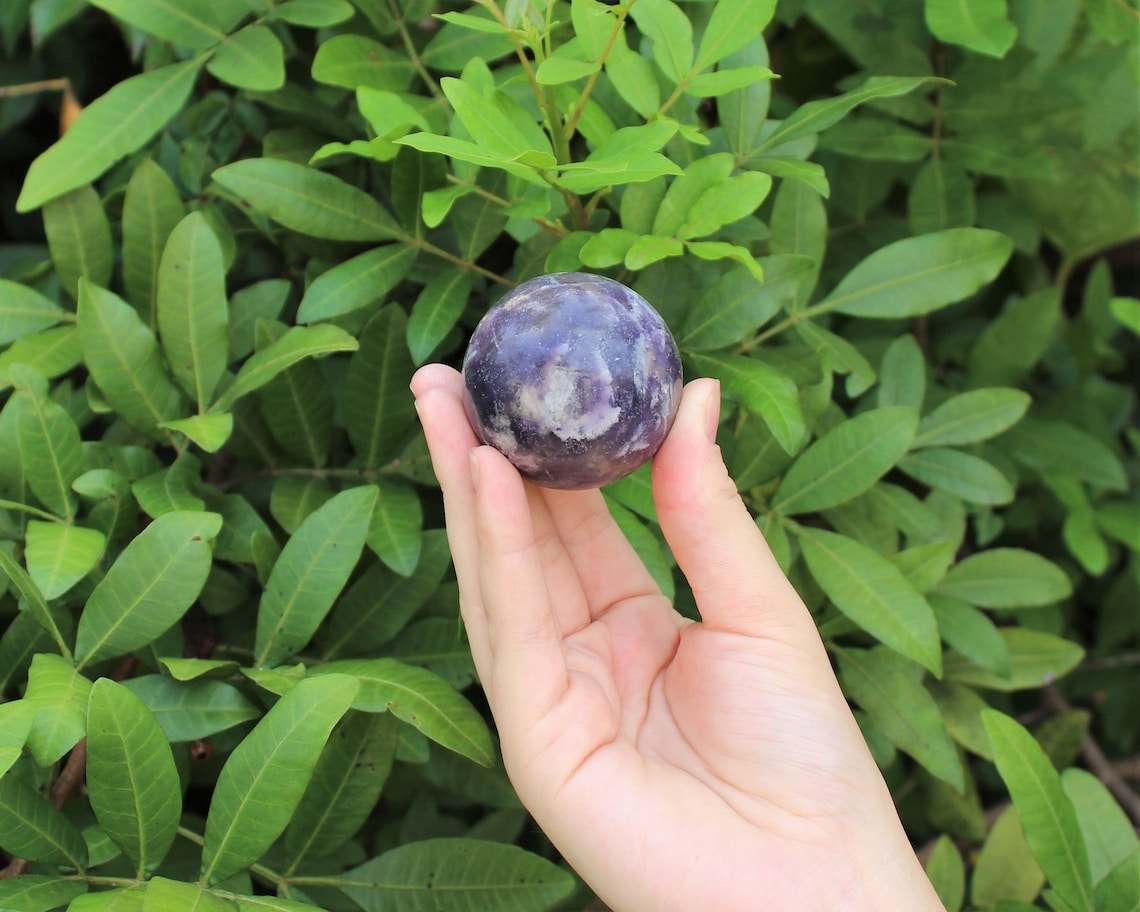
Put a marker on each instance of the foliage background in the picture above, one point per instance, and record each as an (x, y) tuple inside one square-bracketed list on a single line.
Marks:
[(232, 667)]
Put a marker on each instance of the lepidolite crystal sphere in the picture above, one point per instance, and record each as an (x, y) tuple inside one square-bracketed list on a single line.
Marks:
[(575, 378)]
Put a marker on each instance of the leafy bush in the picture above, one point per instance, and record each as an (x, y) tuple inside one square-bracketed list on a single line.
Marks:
[(228, 601)]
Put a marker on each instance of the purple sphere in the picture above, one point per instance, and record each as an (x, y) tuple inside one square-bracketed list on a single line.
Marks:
[(575, 378)]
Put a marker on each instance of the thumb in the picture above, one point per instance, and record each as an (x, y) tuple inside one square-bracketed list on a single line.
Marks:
[(737, 583)]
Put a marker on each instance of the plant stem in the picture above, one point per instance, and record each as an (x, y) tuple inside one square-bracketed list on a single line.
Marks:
[(32, 88), (576, 114), (429, 247), (414, 56), (32, 511)]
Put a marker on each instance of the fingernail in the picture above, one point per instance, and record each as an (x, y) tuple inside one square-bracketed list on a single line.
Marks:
[(712, 412), (474, 462)]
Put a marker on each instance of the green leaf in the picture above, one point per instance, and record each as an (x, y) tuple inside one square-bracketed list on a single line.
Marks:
[(163, 895), (971, 632), (947, 873), (476, 23), (16, 718), (671, 33), (118, 899), (941, 197), (877, 140), (436, 311), (1006, 871), (918, 275), (1117, 519), (594, 23), (799, 227), (1108, 834), (188, 23), (488, 126), (723, 81), (964, 475), (871, 591), (250, 59), (298, 407), (59, 693), (1047, 815), (191, 710), (210, 431), (1120, 888), (1058, 448), (395, 534), (131, 777), (51, 353), (377, 605), (454, 46), (972, 417), (264, 778), (34, 599), (38, 892), (1014, 341), (308, 576), (839, 355), (1125, 310), (1006, 578), (731, 26), (633, 77), (152, 583), (816, 116), (32, 828), (344, 788), (79, 237), (1035, 659), (476, 875), (260, 301), (122, 356), (111, 127), (193, 314), (421, 698), (725, 203), (379, 411), (59, 555), (308, 201), (846, 461), (743, 112), (558, 70), (880, 681), (359, 282), (701, 176), (168, 490), (978, 25), (49, 443), (761, 389), (296, 344), (24, 311), (736, 305), (924, 565), (152, 208), (313, 13), (354, 60), (272, 904)]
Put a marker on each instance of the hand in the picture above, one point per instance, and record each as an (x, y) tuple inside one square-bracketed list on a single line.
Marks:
[(676, 765)]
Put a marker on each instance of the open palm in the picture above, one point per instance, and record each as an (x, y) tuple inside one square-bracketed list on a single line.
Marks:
[(677, 765)]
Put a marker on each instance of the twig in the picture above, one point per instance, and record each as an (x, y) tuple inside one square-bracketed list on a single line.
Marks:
[(1099, 764), (32, 88), (72, 775)]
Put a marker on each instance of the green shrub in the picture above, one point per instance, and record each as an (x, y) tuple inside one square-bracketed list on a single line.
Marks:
[(227, 597)]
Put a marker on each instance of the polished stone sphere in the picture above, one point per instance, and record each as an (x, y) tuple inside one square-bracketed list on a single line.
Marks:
[(575, 378)]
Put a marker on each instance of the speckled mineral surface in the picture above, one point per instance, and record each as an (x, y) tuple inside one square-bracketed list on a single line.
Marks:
[(575, 378)]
